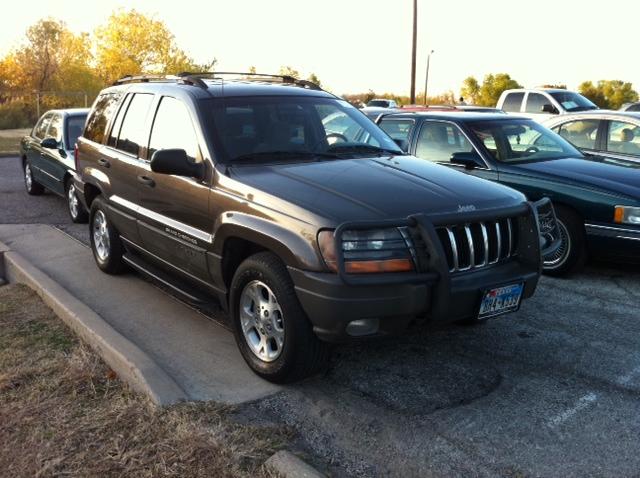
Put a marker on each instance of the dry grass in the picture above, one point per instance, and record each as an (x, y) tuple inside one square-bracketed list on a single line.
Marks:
[(64, 413), (10, 140)]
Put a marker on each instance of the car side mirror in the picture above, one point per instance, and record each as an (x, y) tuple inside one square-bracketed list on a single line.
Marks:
[(176, 162), (469, 160), (49, 143), (402, 143), (549, 108)]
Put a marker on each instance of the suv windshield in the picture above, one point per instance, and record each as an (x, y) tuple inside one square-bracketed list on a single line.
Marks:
[(512, 141), (571, 101), (292, 128)]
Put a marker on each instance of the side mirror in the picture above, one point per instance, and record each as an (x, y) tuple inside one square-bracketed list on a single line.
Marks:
[(175, 161), (49, 143), (402, 143), (469, 160), (549, 108)]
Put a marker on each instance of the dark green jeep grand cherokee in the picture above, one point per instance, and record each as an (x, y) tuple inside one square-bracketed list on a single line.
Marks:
[(303, 218)]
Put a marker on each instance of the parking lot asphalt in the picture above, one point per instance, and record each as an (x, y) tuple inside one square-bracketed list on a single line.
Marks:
[(552, 390)]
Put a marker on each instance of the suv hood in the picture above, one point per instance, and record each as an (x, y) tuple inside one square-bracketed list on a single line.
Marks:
[(613, 176), (374, 188)]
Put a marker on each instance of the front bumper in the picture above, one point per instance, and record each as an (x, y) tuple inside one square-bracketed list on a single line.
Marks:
[(333, 301)]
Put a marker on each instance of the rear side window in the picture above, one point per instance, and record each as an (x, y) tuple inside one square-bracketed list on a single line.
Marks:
[(397, 129), (582, 133), (635, 107), (512, 102), (535, 102), (133, 132), (173, 129), (101, 113)]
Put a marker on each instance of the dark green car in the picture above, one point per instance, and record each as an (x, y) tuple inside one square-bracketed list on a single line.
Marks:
[(47, 155), (597, 200)]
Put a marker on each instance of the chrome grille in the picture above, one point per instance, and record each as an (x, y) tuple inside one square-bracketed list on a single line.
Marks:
[(476, 245)]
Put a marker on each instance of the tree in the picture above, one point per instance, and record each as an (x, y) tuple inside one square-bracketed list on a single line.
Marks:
[(130, 43), (313, 78), (288, 71), (470, 90), (610, 94), (489, 92)]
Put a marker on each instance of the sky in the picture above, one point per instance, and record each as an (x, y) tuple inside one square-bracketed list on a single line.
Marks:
[(358, 45)]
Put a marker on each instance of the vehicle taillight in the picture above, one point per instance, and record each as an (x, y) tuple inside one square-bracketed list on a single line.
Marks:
[(75, 156)]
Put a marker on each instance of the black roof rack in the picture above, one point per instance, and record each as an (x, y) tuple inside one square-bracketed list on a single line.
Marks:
[(196, 78), (248, 76), (160, 79)]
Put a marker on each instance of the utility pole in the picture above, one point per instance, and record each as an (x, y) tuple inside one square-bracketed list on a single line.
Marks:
[(413, 52), (426, 77)]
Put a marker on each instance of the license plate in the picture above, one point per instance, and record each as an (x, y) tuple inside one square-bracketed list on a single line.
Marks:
[(500, 300)]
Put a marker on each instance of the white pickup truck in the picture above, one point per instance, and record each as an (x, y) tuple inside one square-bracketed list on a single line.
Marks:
[(542, 104)]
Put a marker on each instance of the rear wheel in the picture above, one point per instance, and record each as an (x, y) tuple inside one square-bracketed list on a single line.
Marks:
[(105, 241), (271, 329), (33, 187), (76, 210), (571, 254)]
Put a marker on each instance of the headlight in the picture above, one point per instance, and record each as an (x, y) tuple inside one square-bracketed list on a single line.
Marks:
[(627, 215), (368, 251)]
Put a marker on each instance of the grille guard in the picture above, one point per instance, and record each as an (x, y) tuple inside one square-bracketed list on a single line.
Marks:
[(437, 268)]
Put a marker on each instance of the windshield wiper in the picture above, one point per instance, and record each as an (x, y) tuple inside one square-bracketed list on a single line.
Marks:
[(275, 155), (361, 148)]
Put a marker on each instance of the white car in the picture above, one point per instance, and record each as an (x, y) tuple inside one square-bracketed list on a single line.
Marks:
[(543, 104), (382, 103)]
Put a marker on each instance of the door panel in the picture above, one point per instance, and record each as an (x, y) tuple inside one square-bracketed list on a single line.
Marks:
[(175, 223)]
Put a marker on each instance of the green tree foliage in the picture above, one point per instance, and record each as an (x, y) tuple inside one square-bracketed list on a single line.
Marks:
[(487, 93), (609, 94), (313, 78), (289, 71)]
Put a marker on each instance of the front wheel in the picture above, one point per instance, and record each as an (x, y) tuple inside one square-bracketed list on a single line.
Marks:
[(77, 212), (33, 187), (571, 254), (105, 241), (271, 329)]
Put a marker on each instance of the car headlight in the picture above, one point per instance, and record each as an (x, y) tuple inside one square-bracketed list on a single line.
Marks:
[(627, 215), (368, 251)]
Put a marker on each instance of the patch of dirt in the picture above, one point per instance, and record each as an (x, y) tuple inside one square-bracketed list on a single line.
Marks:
[(63, 412)]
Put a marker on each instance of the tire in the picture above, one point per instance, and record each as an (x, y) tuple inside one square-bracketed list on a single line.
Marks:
[(105, 241), (77, 212), (33, 187), (261, 287), (572, 253)]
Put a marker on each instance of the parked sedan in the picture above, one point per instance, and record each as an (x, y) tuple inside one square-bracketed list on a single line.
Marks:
[(612, 134), (597, 200), (48, 158)]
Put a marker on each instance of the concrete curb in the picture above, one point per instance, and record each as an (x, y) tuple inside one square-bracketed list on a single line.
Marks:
[(290, 466), (123, 356)]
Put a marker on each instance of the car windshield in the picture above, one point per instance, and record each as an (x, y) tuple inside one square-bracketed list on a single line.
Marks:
[(75, 125), (573, 102), (292, 128), (513, 141), (383, 103)]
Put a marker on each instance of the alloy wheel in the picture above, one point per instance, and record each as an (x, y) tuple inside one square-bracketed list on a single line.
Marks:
[(101, 236), (262, 321)]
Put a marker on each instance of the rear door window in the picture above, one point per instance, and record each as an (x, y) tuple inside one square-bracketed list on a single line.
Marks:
[(624, 138), (397, 129), (133, 132), (582, 134), (102, 111), (535, 102), (513, 102)]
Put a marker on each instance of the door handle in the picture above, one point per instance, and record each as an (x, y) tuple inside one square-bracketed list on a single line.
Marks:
[(104, 162), (147, 181)]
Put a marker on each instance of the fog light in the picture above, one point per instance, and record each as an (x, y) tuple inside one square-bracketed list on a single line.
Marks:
[(357, 328)]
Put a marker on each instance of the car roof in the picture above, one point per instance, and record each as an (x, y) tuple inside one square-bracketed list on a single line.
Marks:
[(593, 114), (548, 90), (456, 116), (218, 88)]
